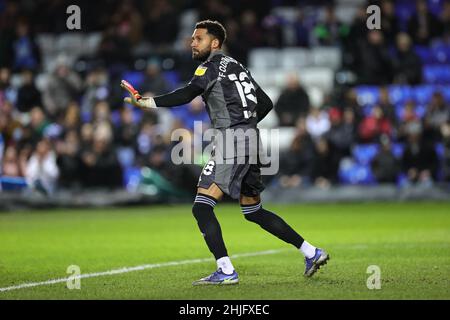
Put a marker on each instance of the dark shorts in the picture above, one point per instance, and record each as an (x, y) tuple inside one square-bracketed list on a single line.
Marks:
[(233, 179)]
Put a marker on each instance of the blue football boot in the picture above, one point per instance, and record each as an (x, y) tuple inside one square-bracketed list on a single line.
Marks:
[(218, 278), (313, 264)]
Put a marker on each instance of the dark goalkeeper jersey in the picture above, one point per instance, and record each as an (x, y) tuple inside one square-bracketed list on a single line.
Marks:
[(233, 99)]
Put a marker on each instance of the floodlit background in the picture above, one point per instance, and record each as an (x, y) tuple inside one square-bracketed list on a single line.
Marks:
[(353, 106), (363, 116)]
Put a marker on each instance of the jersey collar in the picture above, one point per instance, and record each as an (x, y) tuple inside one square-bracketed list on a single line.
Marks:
[(215, 53)]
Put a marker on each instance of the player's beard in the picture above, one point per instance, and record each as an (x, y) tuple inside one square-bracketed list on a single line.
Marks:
[(201, 55)]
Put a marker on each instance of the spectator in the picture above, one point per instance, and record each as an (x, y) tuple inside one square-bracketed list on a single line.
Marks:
[(407, 64), (100, 164), (445, 20), (26, 51), (69, 160), (251, 33), (419, 161), (357, 36), (374, 61), (161, 23), (128, 21), (317, 123), (126, 131), (7, 92), (146, 137), (10, 165), (330, 31), (342, 131), (437, 114), (445, 131), (325, 164), (350, 101), (42, 171), (64, 85), (385, 166), (234, 44), (423, 25), (195, 111), (389, 21), (214, 10), (12, 129), (374, 125), (154, 80), (96, 89), (386, 106), (292, 103), (72, 117), (8, 18), (125, 134), (38, 124), (181, 177), (408, 120), (102, 112), (301, 29), (114, 49), (273, 31), (28, 96), (296, 164)]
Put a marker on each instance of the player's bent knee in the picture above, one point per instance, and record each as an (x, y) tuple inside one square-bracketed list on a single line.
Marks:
[(248, 201)]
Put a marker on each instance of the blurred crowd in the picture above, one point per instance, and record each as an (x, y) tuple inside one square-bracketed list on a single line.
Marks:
[(74, 131)]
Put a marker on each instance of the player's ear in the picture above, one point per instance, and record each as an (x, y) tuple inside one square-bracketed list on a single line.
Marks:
[(215, 43)]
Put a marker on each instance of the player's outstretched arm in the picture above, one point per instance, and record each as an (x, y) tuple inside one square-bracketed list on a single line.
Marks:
[(175, 98), (136, 99)]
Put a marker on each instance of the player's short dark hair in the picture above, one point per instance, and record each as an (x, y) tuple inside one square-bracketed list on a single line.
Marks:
[(214, 28)]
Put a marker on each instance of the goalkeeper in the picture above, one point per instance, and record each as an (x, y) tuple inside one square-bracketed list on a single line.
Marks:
[(233, 101)]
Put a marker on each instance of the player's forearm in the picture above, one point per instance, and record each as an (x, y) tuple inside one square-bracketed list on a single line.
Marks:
[(178, 97)]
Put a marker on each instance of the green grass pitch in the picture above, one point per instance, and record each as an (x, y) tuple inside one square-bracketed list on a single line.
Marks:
[(410, 243)]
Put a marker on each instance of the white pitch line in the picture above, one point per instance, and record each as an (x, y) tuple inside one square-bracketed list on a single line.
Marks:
[(131, 269)]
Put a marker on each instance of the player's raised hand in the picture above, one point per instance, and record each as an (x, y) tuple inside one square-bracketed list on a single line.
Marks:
[(135, 98)]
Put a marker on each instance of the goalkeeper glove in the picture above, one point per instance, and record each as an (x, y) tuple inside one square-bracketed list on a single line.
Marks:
[(135, 98)]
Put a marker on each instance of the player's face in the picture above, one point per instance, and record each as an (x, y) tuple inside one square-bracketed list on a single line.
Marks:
[(201, 44)]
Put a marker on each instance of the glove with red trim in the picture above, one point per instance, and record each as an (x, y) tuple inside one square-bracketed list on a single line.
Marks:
[(135, 98)]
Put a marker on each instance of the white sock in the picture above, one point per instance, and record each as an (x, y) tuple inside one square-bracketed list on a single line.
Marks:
[(308, 250), (225, 264)]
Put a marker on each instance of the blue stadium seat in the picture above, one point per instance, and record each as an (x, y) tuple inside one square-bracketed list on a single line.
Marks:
[(424, 53), (354, 173), (436, 73), (423, 93), (398, 149), (131, 178), (445, 90), (421, 109), (115, 117), (364, 153), (126, 156), (439, 148), (399, 93), (173, 78), (12, 183), (440, 54), (367, 95), (135, 78)]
